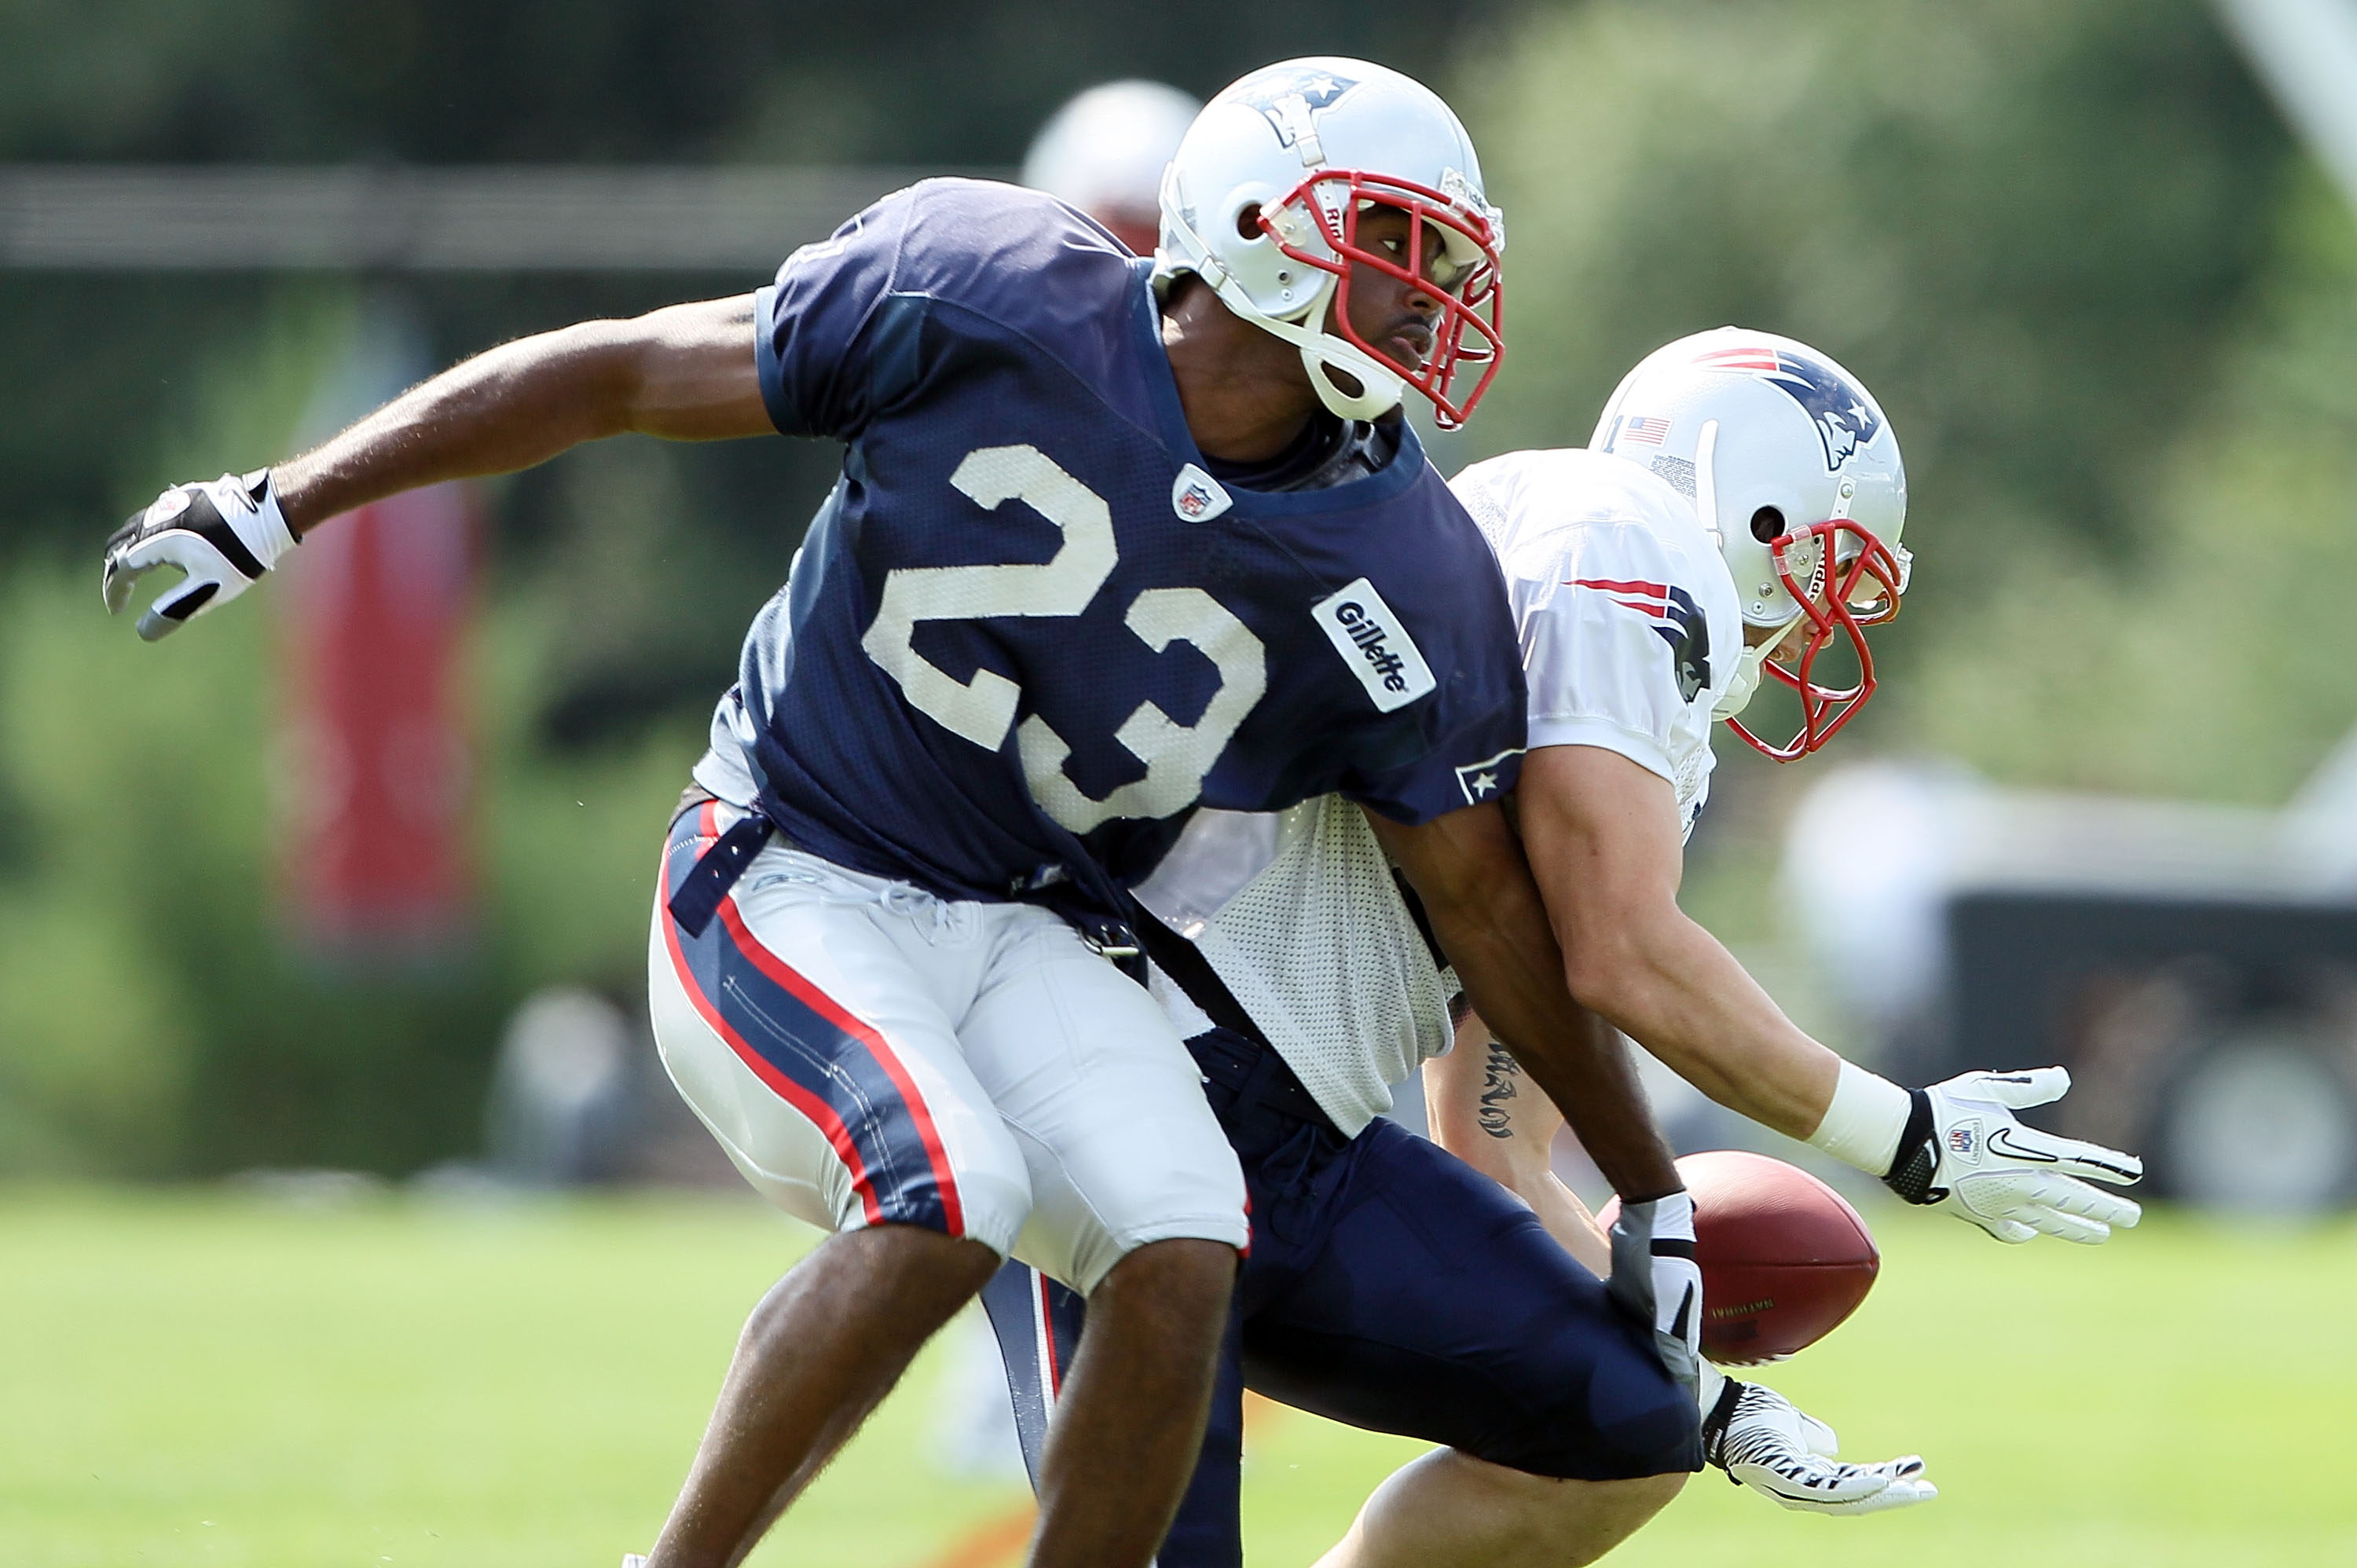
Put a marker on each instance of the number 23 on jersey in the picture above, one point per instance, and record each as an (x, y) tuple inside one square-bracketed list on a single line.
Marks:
[(1176, 756)]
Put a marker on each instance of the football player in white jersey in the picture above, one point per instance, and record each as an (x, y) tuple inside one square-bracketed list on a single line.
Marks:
[(1736, 515), (1732, 457)]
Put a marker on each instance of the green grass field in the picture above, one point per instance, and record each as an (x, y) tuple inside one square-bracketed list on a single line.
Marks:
[(206, 1377)]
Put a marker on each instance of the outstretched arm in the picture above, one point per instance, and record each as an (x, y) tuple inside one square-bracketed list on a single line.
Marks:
[(684, 373), (1468, 870), (1604, 842), (1606, 847)]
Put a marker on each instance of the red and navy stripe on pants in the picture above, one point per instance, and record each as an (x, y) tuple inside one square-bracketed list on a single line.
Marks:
[(1038, 1322), (839, 1073)]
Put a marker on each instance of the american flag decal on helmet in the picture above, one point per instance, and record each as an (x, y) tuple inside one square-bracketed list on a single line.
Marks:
[(1650, 429)]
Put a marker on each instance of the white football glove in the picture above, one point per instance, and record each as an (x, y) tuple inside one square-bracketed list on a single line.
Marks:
[(222, 536), (1656, 1281), (1964, 1151), (1764, 1442)]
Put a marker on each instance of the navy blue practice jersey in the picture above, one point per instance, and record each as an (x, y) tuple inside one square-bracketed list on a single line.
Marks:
[(1028, 633)]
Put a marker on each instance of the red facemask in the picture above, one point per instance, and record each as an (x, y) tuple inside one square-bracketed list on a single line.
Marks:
[(1467, 332), (1841, 612)]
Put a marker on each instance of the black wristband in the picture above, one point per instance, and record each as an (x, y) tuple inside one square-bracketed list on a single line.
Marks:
[(1715, 1424), (1916, 1162)]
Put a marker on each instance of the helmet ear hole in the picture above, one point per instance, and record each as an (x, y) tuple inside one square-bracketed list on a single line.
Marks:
[(1248, 221), (1767, 524)]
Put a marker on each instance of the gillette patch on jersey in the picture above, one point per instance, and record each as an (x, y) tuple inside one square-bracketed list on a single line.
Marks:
[(1371, 640)]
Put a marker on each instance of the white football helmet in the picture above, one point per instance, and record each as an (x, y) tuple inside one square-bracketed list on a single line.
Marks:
[(1790, 462), (1263, 203)]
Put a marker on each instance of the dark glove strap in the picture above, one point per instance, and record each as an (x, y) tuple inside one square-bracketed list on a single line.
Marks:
[(1918, 1160), (1715, 1424), (205, 520)]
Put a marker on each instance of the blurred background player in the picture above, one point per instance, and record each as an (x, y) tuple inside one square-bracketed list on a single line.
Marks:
[(1104, 153), (918, 891)]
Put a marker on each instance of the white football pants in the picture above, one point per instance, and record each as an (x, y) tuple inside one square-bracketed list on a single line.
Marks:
[(867, 1053)]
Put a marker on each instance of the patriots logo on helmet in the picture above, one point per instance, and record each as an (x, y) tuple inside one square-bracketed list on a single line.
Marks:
[(1316, 90), (1844, 420), (1677, 620)]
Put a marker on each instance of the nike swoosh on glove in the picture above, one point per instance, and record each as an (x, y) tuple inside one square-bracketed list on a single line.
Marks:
[(1964, 1151), (222, 536), (1766, 1443), (1656, 1281)]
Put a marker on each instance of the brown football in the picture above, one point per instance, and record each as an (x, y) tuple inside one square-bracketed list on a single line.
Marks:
[(1785, 1256)]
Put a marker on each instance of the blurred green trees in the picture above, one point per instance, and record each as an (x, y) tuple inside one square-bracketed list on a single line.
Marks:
[(2072, 249), (2108, 306), (2213, 659), (156, 1015), (2031, 229)]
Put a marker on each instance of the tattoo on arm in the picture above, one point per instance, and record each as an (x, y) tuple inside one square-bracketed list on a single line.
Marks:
[(1498, 1077)]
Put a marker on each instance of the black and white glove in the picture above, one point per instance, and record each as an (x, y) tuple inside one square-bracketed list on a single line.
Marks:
[(222, 536), (1656, 1281), (1766, 1443), (1957, 1145)]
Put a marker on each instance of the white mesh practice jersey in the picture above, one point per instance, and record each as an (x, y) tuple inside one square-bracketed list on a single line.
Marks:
[(1630, 626), (1630, 632), (1318, 946)]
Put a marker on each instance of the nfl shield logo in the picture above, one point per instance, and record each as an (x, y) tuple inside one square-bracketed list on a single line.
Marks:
[(1195, 495)]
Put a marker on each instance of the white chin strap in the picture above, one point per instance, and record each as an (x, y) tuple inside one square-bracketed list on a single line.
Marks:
[(1319, 361), (1740, 687), (1323, 352), (1745, 684)]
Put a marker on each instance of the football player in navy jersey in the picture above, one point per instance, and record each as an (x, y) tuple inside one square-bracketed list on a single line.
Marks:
[(1112, 542)]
